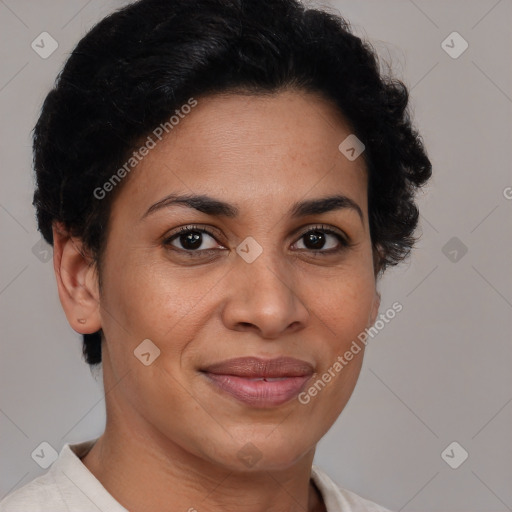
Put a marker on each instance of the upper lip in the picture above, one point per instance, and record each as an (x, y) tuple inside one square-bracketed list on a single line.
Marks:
[(254, 367)]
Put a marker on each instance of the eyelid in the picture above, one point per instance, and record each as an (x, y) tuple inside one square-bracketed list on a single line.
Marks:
[(216, 233), (325, 228), (209, 230)]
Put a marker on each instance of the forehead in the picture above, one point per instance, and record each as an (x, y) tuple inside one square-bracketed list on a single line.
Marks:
[(247, 149)]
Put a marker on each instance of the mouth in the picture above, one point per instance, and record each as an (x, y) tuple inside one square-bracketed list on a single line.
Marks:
[(259, 382)]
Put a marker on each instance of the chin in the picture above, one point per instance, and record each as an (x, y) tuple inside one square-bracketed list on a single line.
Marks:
[(263, 453)]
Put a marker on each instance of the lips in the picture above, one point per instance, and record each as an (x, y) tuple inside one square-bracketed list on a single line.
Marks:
[(260, 382), (256, 368)]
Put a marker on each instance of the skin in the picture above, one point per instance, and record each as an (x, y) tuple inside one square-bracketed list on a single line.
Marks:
[(168, 431)]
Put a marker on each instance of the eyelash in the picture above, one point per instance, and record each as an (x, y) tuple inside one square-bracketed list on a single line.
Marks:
[(344, 243)]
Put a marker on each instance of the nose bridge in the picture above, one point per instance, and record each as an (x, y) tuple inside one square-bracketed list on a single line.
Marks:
[(262, 292), (262, 267)]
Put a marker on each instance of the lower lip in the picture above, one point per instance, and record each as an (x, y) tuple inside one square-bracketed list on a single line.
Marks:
[(259, 393)]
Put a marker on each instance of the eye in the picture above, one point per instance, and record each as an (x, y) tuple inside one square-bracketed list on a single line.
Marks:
[(192, 239), (321, 239), (197, 241)]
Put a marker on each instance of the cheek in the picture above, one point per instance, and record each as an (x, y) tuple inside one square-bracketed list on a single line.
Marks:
[(143, 302), (340, 361), (347, 310), (344, 304), (139, 294), (147, 299), (343, 307)]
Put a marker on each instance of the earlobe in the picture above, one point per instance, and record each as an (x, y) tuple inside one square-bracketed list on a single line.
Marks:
[(77, 281)]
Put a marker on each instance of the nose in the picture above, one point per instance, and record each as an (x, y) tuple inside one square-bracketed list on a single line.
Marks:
[(264, 297)]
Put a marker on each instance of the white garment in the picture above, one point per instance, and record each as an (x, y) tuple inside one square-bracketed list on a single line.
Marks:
[(68, 486)]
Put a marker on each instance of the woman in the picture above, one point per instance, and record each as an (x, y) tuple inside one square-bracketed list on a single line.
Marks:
[(223, 183)]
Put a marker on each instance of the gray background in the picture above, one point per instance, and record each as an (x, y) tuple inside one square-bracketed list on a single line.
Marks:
[(439, 372)]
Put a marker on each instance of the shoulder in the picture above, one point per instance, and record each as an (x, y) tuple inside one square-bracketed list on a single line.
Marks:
[(338, 499), (61, 487), (40, 492)]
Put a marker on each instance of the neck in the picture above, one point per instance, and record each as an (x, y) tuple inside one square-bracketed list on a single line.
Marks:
[(173, 479)]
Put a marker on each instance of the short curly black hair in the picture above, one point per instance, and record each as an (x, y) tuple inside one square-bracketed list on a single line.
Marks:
[(133, 69)]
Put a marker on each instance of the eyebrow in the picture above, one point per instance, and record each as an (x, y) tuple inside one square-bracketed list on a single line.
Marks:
[(217, 208)]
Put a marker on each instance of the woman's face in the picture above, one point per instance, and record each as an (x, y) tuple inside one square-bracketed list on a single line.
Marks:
[(253, 286)]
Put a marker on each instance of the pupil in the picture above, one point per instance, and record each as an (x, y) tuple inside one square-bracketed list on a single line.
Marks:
[(316, 238), (191, 240)]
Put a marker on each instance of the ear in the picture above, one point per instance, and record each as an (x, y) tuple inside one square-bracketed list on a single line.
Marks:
[(77, 281), (378, 260), (375, 308)]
